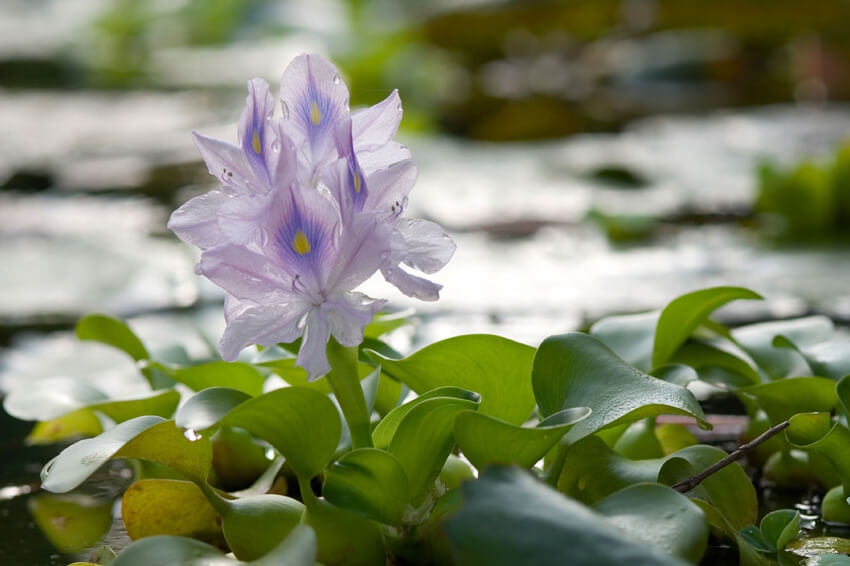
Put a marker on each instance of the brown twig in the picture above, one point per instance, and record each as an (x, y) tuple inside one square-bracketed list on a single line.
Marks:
[(688, 484)]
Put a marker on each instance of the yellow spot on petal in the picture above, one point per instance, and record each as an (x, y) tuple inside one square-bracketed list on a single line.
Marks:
[(300, 243), (315, 114), (255, 143), (358, 184)]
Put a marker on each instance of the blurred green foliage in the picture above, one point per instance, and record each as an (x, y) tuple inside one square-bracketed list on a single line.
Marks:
[(809, 202)]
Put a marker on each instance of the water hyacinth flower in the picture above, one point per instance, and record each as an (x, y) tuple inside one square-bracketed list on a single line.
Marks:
[(310, 205)]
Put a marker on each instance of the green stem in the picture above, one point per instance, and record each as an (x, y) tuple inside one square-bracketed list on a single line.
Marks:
[(553, 473), (220, 504), (307, 496), (345, 382)]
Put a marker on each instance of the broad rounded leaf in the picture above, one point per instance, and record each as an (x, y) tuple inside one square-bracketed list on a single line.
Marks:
[(113, 332), (780, 527), (717, 365), (72, 523), (302, 424), (509, 518), (256, 524), (424, 439), (684, 314), (493, 366), (54, 397), (370, 482), (487, 440), (169, 507), (345, 537), (659, 516), (233, 375), (205, 408), (758, 341), (828, 359), (383, 434), (784, 398), (298, 549), (816, 432), (577, 370), (77, 462), (630, 336)]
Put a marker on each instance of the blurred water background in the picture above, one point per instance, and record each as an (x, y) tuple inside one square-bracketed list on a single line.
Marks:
[(587, 156)]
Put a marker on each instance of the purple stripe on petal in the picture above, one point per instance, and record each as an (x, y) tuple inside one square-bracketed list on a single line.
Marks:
[(254, 136)]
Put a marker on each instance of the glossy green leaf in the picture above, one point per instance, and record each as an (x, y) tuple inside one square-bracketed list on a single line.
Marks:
[(834, 507), (298, 549), (487, 440), (424, 439), (72, 523), (82, 422), (716, 364), (677, 374), (630, 336), (780, 527), (286, 369), (383, 434), (384, 323), (113, 332), (755, 538), (152, 507), (842, 390), (205, 408), (77, 462), (495, 367), (54, 397), (729, 490), (747, 555), (639, 441), (828, 359), (233, 375), (829, 559), (370, 482), (594, 471), (758, 341), (577, 370), (817, 432), (302, 424), (161, 404), (784, 398), (149, 438), (684, 314), (510, 518), (660, 517), (345, 537), (256, 524)]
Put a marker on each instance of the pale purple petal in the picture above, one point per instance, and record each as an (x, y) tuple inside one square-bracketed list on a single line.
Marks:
[(255, 137), (313, 354), (245, 274), (196, 222), (228, 164), (314, 100), (382, 157), (302, 237), (388, 189), (263, 325), (363, 246), (411, 285), (348, 314), (376, 126), (429, 248), (242, 218)]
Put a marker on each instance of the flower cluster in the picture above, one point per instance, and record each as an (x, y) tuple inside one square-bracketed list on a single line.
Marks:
[(311, 204)]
